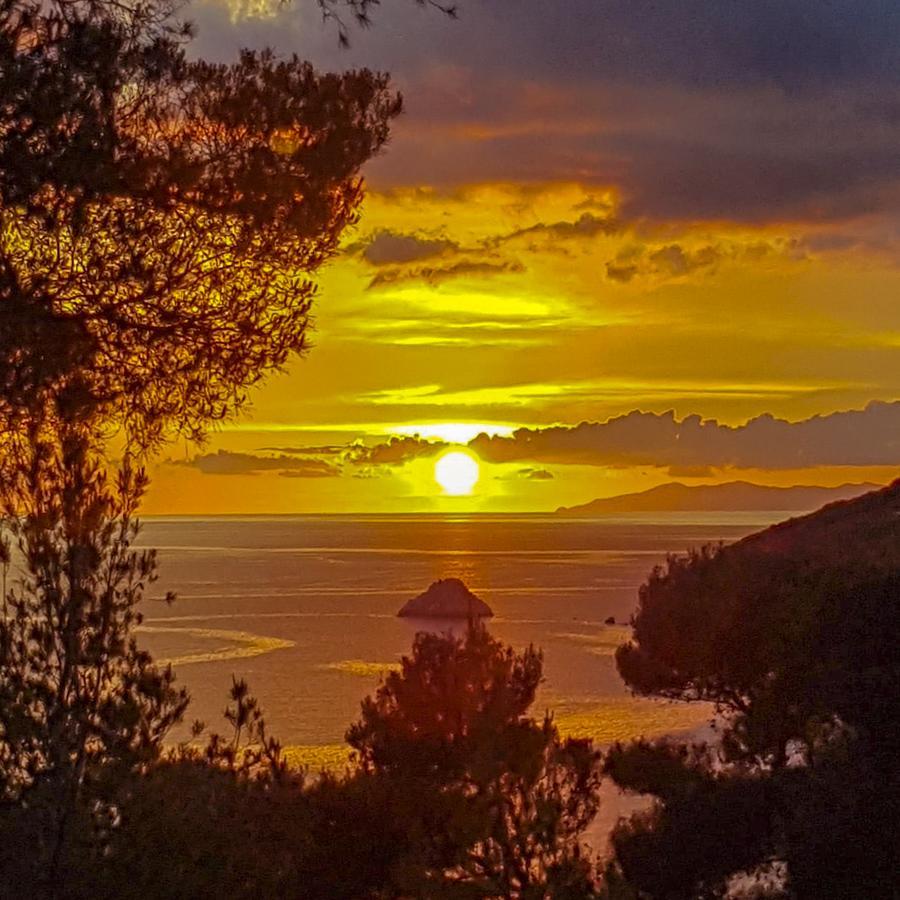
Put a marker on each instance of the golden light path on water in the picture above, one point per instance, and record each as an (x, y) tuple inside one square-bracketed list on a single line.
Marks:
[(604, 643), (363, 668)]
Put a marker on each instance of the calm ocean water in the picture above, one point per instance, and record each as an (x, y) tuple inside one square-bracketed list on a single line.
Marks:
[(304, 609)]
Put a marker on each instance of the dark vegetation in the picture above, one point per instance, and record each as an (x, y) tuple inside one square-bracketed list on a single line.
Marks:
[(793, 633), (161, 222), (457, 793), (161, 218)]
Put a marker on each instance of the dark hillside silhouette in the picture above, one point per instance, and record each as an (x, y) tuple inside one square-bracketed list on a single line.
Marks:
[(862, 528), (793, 634)]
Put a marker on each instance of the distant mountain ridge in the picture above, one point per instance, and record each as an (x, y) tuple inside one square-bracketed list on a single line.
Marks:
[(732, 496)]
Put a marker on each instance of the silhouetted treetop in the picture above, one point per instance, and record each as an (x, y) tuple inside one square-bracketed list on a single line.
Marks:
[(161, 218), (360, 11), (98, 99), (448, 695), (493, 801), (733, 624), (793, 633), (64, 69)]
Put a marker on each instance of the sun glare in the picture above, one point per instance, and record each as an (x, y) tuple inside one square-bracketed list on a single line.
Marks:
[(456, 473)]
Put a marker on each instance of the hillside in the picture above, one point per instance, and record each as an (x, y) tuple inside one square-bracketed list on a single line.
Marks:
[(732, 496), (866, 528)]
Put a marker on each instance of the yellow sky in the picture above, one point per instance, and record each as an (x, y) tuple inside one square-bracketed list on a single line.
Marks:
[(504, 305)]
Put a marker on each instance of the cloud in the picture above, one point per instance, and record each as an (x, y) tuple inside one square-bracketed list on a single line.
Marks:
[(369, 472), (694, 44), (587, 225), (433, 275), (535, 474), (712, 153), (665, 262), (321, 450), (866, 437), (527, 474), (770, 110), (225, 462), (397, 254), (388, 247), (621, 272), (366, 460), (395, 451), (604, 203)]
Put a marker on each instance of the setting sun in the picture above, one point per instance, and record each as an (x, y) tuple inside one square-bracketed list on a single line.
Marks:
[(457, 473)]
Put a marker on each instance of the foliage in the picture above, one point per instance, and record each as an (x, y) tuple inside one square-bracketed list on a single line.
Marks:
[(79, 701), (361, 12), (227, 818), (494, 801), (706, 825), (231, 819), (161, 218), (793, 634), (160, 223), (224, 819)]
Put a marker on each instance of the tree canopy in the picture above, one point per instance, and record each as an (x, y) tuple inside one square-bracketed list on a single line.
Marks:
[(494, 801), (161, 222), (793, 634), (161, 218)]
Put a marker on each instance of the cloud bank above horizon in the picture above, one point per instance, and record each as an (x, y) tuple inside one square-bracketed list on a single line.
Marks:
[(691, 446), (866, 437)]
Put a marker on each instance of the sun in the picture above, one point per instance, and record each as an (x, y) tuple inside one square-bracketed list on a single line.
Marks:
[(456, 473)]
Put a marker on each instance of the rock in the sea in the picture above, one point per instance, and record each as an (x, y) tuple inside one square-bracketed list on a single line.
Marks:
[(610, 620), (448, 598)]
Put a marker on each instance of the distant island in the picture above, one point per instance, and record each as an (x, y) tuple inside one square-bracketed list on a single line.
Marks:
[(448, 598), (733, 496)]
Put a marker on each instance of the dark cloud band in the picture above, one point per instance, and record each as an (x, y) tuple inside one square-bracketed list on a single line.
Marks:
[(867, 437)]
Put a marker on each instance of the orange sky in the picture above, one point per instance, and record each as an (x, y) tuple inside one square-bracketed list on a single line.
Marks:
[(524, 260)]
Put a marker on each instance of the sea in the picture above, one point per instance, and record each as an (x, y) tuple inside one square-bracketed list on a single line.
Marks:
[(304, 609)]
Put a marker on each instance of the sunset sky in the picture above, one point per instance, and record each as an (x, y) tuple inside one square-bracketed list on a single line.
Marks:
[(632, 215)]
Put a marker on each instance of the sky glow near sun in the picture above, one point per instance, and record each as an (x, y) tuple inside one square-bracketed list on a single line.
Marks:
[(551, 241), (451, 432)]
